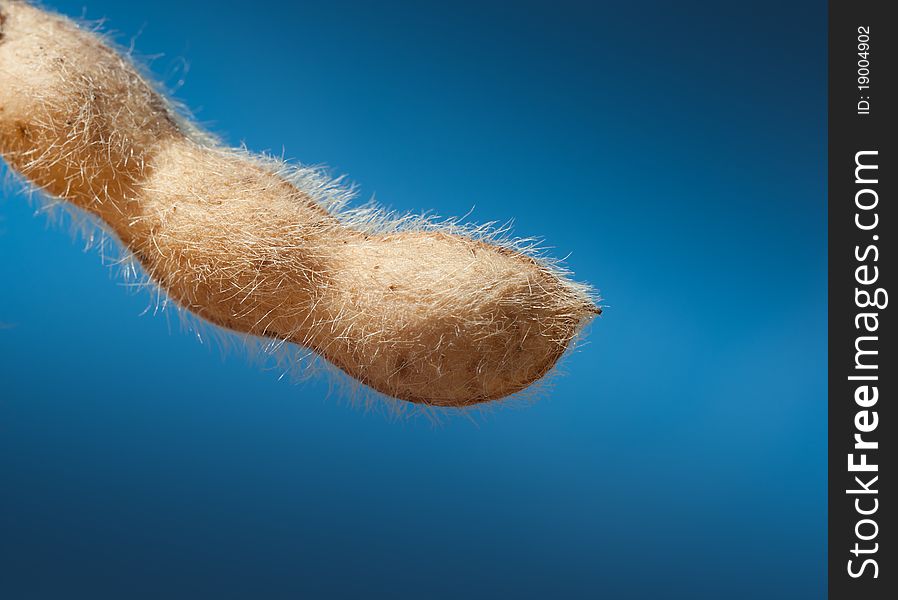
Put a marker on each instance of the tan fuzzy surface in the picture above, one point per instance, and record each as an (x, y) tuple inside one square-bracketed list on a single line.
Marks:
[(436, 315)]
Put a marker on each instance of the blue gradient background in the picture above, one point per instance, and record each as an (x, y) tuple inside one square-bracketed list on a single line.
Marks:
[(677, 153)]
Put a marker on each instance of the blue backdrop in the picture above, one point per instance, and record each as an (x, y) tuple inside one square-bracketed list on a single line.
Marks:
[(677, 153)]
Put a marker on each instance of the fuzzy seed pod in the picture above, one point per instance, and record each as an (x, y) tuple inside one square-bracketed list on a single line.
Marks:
[(440, 316)]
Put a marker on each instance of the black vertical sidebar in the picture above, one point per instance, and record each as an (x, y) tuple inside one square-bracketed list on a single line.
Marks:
[(863, 370)]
